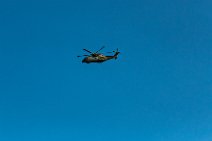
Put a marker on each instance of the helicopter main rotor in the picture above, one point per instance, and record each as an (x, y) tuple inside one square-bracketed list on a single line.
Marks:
[(100, 49), (87, 51), (94, 54)]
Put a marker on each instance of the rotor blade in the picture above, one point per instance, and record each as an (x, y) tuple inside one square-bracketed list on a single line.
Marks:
[(87, 51), (100, 49), (82, 55)]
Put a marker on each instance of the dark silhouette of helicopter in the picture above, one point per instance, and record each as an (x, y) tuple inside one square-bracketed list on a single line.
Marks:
[(96, 57)]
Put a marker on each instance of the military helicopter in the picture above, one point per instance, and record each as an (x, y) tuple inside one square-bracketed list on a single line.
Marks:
[(96, 57)]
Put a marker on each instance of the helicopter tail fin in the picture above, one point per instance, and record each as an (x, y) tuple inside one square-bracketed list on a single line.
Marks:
[(116, 54)]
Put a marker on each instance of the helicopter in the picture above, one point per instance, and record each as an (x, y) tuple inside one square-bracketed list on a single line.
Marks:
[(96, 57)]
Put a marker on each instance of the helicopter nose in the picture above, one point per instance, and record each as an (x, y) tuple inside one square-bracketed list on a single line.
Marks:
[(83, 61)]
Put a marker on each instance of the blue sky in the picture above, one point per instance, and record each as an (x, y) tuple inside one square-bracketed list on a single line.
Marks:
[(159, 89)]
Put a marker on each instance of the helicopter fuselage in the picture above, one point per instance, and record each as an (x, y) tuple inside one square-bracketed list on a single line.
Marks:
[(97, 59)]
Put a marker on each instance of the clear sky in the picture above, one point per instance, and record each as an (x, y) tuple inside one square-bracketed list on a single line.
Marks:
[(159, 89)]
